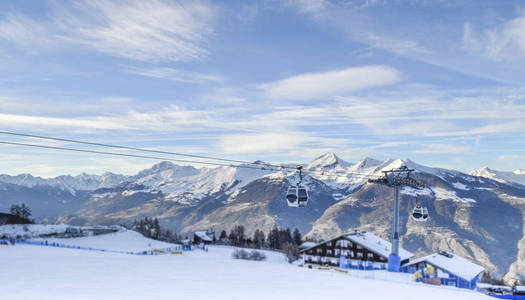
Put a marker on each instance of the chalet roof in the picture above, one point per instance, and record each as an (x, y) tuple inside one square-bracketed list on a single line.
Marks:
[(451, 263), (376, 244), (307, 245), (372, 242), (519, 288), (203, 236)]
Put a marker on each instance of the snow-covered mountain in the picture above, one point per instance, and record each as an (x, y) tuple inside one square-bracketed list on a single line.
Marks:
[(517, 176), (82, 182), (481, 218)]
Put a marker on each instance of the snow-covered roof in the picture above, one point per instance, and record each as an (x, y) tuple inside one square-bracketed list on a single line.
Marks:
[(376, 244), (307, 245), (203, 236), (452, 263), (519, 288), (489, 286)]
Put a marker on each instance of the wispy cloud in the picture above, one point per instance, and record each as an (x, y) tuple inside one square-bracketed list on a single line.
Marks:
[(54, 122), (443, 149), (150, 31), (397, 46), (174, 74), (505, 42), (331, 83)]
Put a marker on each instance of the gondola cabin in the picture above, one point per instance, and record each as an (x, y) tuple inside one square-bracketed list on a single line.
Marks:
[(359, 250)]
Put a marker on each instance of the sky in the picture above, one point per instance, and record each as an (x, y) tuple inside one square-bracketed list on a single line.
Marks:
[(439, 82)]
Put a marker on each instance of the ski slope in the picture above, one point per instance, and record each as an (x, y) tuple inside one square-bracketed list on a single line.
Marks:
[(36, 272)]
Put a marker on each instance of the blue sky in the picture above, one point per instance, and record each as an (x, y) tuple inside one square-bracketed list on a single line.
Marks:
[(439, 82)]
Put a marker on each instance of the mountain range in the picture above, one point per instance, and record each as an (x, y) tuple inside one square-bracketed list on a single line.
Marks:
[(478, 215)]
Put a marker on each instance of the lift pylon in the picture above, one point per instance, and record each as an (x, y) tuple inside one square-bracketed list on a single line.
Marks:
[(396, 178)]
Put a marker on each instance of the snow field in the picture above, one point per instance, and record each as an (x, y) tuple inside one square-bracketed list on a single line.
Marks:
[(35, 272)]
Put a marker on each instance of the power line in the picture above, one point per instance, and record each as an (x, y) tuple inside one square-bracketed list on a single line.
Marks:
[(262, 164), (134, 155), (246, 164), (138, 149)]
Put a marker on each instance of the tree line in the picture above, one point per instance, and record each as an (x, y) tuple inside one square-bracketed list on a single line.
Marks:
[(22, 213), (150, 227), (282, 239)]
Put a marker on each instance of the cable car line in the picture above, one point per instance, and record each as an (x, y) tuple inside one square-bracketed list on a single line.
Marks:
[(136, 149), (264, 166), (132, 155)]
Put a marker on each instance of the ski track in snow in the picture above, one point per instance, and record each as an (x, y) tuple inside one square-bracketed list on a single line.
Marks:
[(35, 272)]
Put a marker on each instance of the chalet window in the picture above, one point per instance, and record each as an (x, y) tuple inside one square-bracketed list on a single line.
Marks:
[(343, 243), (352, 254), (310, 252), (359, 255), (358, 246), (328, 252), (319, 250), (329, 244), (370, 255), (337, 252)]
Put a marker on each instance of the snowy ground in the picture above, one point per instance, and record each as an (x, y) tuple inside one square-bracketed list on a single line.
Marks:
[(36, 272)]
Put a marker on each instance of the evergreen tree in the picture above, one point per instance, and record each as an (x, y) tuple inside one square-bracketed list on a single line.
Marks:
[(25, 212), (273, 238), (223, 235), (155, 228), (237, 237), (297, 237), (258, 239), (15, 210)]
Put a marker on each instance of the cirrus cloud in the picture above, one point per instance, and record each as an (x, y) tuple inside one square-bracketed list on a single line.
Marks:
[(151, 31), (331, 83)]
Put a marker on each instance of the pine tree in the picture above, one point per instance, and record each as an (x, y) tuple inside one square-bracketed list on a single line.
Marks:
[(297, 238), (223, 235), (25, 212), (237, 237), (258, 239), (15, 210), (273, 238)]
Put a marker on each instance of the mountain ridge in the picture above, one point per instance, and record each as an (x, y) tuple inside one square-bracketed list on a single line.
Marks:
[(476, 217)]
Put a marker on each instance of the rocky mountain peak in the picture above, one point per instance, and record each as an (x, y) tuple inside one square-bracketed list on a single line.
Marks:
[(327, 160), (367, 162)]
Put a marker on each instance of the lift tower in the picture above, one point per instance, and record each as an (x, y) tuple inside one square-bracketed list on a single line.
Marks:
[(396, 178)]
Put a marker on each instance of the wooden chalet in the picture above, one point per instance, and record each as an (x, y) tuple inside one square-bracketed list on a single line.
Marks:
[(203, 237), (360, 250), (449, 268)]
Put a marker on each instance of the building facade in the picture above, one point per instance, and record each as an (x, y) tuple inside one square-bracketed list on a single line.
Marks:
[(360, 250)]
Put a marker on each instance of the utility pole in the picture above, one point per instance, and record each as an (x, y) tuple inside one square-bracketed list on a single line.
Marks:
[(396, 178)]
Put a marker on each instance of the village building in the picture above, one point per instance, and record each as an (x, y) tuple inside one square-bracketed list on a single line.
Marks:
[(449, 268), (203, 237), (359, 250)]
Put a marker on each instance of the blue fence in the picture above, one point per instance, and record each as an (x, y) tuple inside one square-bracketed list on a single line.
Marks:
[(347, 263), (156, 251), (510, 297)]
